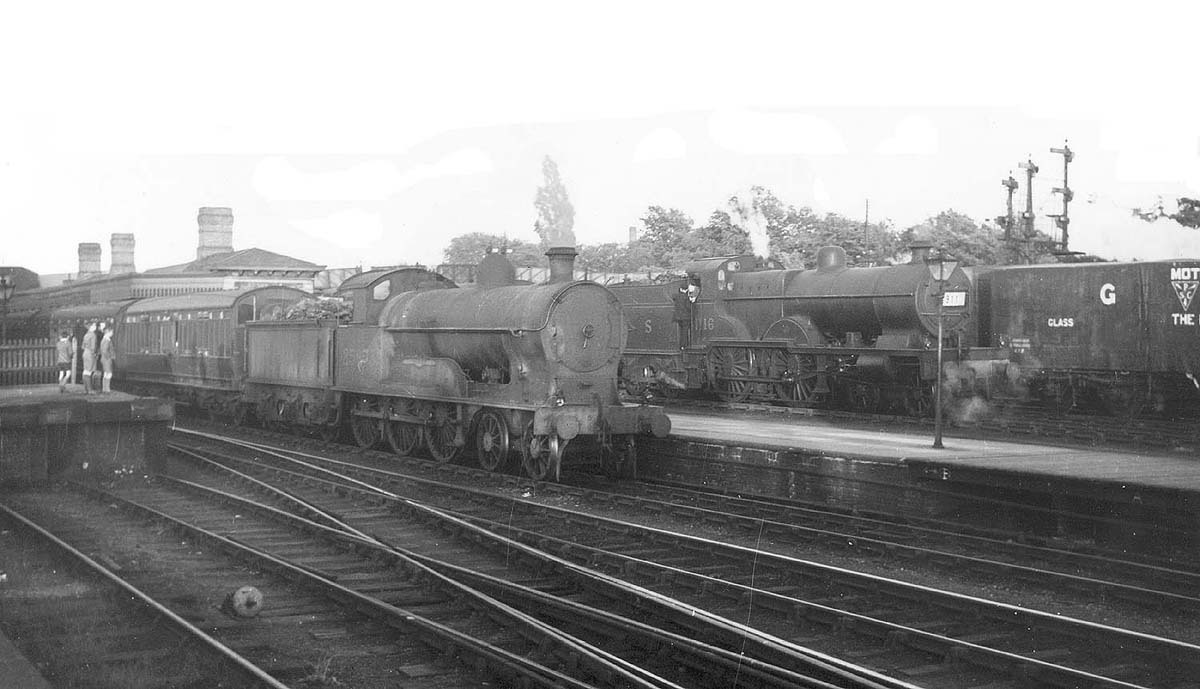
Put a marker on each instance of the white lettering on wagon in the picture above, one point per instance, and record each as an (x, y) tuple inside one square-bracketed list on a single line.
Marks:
[(1108, 294), (1060, 322)]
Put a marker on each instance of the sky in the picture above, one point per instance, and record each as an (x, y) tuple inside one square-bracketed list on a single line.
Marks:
[(370, 133)]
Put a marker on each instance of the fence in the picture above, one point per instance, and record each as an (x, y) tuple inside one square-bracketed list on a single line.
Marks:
[(28, 362)]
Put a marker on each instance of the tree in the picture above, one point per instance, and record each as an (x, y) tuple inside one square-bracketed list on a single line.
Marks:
[(961, 237), (796, 234), (666, 235), (470, 249), (719, 237), (556, 215), (614, 258)]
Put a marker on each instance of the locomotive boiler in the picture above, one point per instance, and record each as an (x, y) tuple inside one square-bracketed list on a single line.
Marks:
[(746, 329)]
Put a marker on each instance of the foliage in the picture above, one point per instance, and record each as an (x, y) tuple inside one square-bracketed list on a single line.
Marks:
[(314, 308), (470, 248), (556, 215), (614, 257), (796, 234), (1187, 212), (665, 234)]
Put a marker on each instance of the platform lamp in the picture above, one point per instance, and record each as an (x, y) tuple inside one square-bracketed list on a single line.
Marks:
[(8, 285), (941, 266)]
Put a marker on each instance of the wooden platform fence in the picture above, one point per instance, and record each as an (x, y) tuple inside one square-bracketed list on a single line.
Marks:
[(28, 362)]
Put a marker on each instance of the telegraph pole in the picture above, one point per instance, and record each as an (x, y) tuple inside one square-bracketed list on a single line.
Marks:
[(1062, 219), (866, 231)]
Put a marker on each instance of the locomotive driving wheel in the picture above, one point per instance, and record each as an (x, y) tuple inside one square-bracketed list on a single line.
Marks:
[(402, 436), (731, 365), (443, 433), (491, 440)]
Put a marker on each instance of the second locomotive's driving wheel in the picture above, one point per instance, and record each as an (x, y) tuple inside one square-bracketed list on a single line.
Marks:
[(491, 440)]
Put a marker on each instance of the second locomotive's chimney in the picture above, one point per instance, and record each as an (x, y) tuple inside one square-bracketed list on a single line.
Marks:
[(216, 231), (562, 263), (89, 259), (122, 254), (920, 251)]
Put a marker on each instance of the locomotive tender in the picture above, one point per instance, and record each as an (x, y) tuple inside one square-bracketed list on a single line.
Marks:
[(750, 330)]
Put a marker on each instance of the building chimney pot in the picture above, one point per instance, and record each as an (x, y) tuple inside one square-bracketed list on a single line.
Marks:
[(122, 254), (216, 231), (89, 259)]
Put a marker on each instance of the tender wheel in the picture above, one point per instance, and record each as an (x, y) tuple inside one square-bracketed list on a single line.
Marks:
[(535, 454), (365, 429), (443, 432), (403, 437), (491, 440), (731, 364)]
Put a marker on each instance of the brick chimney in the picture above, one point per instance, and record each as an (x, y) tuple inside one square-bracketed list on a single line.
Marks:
[(122, 254), (89, 259), (216, 231)]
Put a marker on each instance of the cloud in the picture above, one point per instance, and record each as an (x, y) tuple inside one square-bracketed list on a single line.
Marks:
[(661, 144), (277, 179), (914, 135), (766, 133), (349, 229), (820, 192)]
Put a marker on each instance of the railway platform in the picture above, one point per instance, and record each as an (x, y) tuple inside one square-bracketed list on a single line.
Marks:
[(899, 471), (45, 432)]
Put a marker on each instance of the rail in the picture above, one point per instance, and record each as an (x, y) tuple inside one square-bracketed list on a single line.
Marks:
[(28, 362)]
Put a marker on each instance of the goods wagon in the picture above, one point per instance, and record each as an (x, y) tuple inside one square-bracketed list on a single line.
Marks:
[(1122, 337)]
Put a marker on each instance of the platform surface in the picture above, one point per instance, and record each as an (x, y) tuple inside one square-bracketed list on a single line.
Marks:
[(37, 394), (821, 435)]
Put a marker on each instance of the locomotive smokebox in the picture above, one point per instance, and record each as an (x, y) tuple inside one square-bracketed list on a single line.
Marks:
[(562, 263)]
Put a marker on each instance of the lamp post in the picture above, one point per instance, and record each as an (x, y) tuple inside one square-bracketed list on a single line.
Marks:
[(8, 285), (941, 266)]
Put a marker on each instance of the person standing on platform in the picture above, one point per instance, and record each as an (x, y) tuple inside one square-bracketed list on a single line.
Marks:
[(106, 359), (64, 360), (89, 357), (74, 358)]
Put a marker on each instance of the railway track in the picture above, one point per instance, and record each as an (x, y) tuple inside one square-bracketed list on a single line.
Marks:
[(345, 603), (919, 633), (686, 648), (82, 624)]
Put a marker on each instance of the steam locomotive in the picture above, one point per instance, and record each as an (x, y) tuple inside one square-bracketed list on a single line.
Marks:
[(425, 365), (746, 329)]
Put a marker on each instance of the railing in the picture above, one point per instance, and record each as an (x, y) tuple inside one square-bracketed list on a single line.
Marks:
[(28, 362)]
